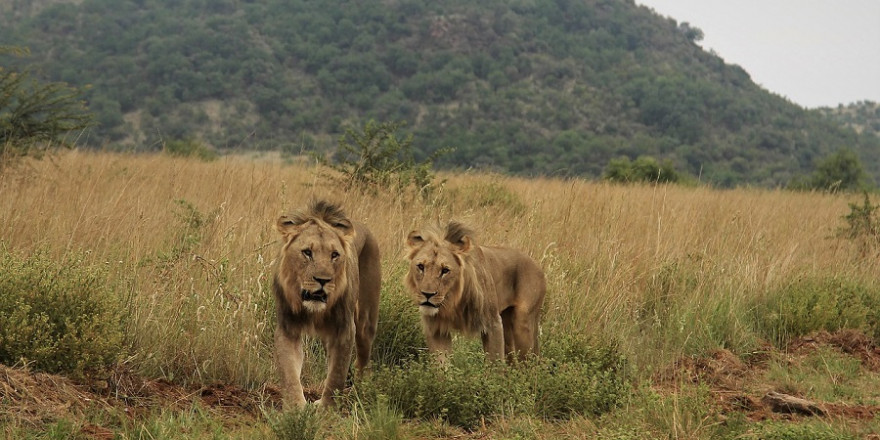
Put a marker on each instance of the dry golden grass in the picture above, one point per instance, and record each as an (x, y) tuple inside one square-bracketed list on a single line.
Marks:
[(200, 307)]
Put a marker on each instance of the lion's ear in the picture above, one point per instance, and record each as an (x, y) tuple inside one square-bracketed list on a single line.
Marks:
[(286, 226), (345, 228), (414, 239), (463, 245)]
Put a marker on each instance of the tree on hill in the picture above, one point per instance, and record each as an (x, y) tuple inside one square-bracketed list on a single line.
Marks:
[(841, 171)]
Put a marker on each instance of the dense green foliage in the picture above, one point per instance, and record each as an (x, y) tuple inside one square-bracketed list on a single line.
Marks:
[(840, 171), (57, 316), (643, 169), (542, 87)]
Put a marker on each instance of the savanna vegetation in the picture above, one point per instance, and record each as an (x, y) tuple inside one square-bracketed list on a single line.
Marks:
[(525, 87), (671, 310)]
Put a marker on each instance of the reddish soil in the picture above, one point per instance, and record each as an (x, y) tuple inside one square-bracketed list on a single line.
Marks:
[(736, 384), (39, 396)]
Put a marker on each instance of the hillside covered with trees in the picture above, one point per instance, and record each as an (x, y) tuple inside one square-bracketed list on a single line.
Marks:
[(862, 116), (556, 87)]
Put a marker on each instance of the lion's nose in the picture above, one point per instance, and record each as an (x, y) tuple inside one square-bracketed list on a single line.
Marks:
[(428, 295), (321, 281)]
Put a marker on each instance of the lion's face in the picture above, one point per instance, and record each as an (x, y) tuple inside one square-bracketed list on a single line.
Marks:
[(435, 272), (312, 267)]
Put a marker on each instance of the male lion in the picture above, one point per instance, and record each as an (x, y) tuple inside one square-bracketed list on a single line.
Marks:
[(493, 292), (326, 284)]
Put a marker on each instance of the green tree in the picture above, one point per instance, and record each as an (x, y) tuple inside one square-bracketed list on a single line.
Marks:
[(376, 158), (643, 169), (840, 171), (35, 115)]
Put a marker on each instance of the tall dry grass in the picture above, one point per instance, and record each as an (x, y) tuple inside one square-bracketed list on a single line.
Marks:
[(662, 270)]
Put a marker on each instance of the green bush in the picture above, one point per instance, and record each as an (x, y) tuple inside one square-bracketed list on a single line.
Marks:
[(375, 159), (862, 226), (189, 148), (577, 376), (840, 171), (812, 304), (643, 169), (582, 381), (59, 316)]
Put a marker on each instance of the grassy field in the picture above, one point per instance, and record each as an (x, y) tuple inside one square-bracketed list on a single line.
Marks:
[(698, 301)]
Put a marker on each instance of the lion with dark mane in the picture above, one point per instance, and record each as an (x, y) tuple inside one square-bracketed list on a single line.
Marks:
[(493, 292), (326, 285)]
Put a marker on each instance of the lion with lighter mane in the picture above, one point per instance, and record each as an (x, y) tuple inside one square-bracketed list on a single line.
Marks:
[(493, 292), (326, 285)]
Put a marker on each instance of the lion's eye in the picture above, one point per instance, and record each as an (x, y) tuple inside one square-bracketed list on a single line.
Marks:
[(307, 253), (421, 267), (334, 255), (444, 271)]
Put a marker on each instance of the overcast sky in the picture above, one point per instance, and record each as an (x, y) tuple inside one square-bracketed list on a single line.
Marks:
[(813, 52)]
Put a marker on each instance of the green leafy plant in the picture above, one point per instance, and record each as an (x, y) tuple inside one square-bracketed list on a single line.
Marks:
[(59, 316), (377, 159), (862, 226)]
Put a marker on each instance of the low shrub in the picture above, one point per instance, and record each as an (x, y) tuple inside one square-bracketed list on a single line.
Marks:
[(862, 226), (812, 304), (58, 316), (300, 424), (469, 389), (577, 376)]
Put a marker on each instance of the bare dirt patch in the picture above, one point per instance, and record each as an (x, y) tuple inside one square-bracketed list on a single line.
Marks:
[(739, 385), (35, 397)]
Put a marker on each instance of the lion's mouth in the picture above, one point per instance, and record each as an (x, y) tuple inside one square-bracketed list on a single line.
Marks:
[(319, 295), (429, 304)]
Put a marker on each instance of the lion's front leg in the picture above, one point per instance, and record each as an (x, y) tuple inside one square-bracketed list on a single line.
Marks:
[(289, 358), (493, 340), (338, 348), (440, 344)]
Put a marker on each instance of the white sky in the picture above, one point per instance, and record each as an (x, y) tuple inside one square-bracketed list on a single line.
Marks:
[(814, 52)]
